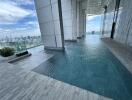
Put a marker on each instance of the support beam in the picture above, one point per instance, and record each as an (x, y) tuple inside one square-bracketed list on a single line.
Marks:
[(61, 23), (69, 13), (104, 20), (50, 22), (84, 24), (116, 12), (78, 19), (81, 20), (123, 32)]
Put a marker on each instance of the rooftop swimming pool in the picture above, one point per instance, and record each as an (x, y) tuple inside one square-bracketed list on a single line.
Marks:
[(89, 64)]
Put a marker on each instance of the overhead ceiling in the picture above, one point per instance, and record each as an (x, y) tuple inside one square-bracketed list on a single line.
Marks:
[(94, 7)]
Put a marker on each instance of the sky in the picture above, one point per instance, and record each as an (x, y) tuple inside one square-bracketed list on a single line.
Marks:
[(93, 23), (18, 18)]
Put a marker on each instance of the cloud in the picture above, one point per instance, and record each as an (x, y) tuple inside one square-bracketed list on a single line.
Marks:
[(31, 23), (18, 18), (10, 12), (93, 23), (91, 17), (24, 2)]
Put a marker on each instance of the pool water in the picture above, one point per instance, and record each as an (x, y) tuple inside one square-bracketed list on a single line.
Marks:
[(89, 65)]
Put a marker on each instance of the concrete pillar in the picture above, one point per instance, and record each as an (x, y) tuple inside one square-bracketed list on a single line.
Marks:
[(50, 23), (69, 13), (78, 19), (84, 24), (81, 20), (124, 23), (109, 19)]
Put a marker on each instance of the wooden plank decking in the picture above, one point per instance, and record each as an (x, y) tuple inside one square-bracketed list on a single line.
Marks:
[(18, 84), (122, 52)]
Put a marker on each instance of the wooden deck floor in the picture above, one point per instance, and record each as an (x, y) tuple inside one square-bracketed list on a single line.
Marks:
[(122, 52), (18, 84), (33, 61)]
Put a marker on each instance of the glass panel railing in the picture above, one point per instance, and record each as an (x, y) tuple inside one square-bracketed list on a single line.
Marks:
[(21, 43)]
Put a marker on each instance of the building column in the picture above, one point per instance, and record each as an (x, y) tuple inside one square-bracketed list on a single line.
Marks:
[(115, 18), (104, 20), (69, 13), (78, 19), (84, 23), (50, 22), (81, 21)]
